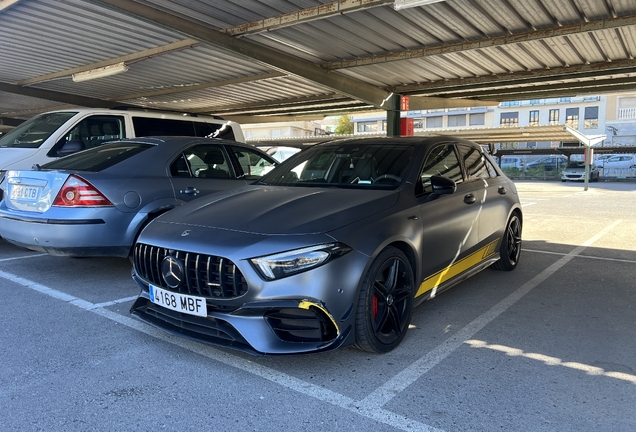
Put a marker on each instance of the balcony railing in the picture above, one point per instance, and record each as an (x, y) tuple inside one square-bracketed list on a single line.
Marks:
[(627, 114)]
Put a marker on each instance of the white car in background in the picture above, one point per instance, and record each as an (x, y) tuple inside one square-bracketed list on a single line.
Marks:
[(619, 162)]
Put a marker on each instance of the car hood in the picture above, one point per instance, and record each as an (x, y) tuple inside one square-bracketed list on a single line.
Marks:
[(11, 156), (281, 210)]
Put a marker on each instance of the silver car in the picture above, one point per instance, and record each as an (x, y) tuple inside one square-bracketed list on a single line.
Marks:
[(334, 247), (576, 171), (95, 203)]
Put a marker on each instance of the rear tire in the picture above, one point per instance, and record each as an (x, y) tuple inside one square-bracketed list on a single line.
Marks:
[(510, 250), (385, 304)]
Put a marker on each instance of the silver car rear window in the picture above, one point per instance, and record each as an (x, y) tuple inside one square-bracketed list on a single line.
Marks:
[(98, 158)]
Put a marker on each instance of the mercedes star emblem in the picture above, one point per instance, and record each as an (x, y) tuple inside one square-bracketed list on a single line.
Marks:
[(172, 271)]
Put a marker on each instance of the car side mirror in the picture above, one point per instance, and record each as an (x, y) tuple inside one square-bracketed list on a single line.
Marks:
[(443, 185), (71, 147)]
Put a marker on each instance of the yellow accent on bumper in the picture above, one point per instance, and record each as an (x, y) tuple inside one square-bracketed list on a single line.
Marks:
[(457, 268), (305, 304)]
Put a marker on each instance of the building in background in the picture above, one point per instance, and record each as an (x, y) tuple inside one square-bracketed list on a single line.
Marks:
[(267, 131), (620, 121), (427, 120)]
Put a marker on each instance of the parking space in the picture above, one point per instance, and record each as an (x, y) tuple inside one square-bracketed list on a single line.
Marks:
[(548, 346)]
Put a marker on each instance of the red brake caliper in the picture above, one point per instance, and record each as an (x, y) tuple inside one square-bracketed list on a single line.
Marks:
[(374, 306)]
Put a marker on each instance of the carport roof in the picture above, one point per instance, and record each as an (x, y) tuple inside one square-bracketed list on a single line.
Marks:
[(253, 60)]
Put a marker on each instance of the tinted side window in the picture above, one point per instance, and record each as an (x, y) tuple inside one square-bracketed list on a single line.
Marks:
[(146, 126), (253, 164), (91, 132), (213, 130), (474, 162), (441, 161), (203, 160), (180, 167), (491, 169)]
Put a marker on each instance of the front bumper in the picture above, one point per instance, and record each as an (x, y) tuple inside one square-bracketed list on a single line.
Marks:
[(308, 312), (573, 176), (276, 327)]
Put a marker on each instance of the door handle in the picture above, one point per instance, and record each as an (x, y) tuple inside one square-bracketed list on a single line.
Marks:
[(190, 191), (502, 190), (470, 199)]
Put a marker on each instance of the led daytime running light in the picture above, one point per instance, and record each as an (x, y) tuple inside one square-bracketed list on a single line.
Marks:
[(295, 261)]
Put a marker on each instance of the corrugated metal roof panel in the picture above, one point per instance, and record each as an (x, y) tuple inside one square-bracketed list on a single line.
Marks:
[(47, 36), (12, 103)]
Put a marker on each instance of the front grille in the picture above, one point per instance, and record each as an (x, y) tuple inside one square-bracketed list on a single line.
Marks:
[(205, 275)]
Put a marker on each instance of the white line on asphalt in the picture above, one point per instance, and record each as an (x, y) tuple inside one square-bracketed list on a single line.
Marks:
[(22, 257), (581, 256), (383, 394), (113, 302), (378, 414), (371, 406), (527, 204)]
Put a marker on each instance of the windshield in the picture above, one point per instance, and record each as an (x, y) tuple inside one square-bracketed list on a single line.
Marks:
[(33, 132), (576, 164), (351, 165)]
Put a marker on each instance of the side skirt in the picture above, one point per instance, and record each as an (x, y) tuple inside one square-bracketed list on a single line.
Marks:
[(458, 272)]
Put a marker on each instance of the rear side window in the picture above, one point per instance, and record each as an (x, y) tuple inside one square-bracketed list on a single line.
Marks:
[(98, 158), (213, 130), (146, 126), (474, 162), (202, 160), (253, 163)]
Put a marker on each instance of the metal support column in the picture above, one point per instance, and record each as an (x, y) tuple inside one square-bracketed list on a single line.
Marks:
[(393, 116)]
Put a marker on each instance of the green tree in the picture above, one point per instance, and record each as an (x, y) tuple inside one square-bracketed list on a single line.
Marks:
[(344, 125)]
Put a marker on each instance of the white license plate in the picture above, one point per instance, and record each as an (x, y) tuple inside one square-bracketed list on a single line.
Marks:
[(188, 304), (24, 193)]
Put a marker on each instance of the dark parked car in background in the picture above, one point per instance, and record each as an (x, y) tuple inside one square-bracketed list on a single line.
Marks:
[(95, 202), (333, 247), (548, 163)]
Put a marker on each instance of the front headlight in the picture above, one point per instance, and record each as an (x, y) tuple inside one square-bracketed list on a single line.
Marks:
[(295, 261)]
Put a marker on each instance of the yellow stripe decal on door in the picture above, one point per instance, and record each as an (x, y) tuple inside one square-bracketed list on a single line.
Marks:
[(457, 268)]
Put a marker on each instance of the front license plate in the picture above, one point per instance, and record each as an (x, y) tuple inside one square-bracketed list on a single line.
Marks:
[(24, 193), (188, 304)]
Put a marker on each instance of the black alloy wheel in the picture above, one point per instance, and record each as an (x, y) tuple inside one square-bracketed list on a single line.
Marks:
[(386, 302), (510, 245)]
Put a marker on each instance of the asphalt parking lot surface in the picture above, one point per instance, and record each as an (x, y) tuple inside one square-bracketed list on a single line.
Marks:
[(547, 347)]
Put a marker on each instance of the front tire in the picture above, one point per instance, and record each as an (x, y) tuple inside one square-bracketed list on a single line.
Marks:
[(385, 304), (510, 245)]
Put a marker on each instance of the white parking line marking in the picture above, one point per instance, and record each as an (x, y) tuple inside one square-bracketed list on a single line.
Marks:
[(408, 376), (371, 406), (378, 414), (581, 256), (527, 204), (553, 361), (114, 302), (22, 257)]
